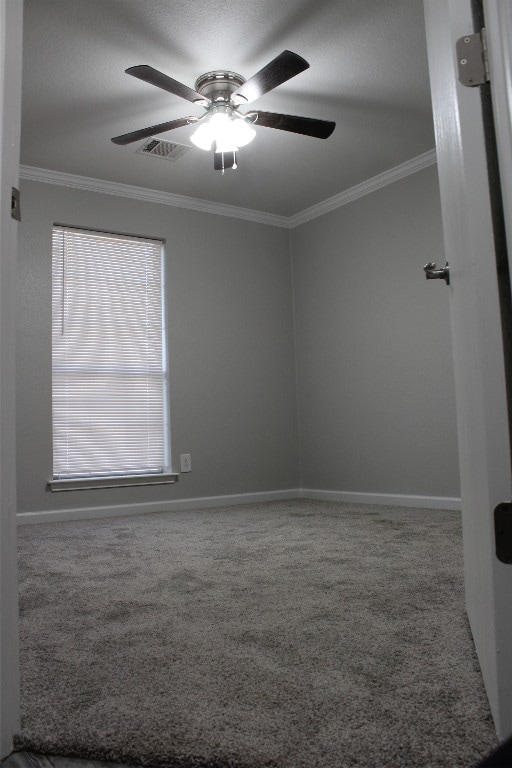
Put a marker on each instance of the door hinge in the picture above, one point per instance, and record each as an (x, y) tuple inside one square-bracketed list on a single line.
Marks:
[(15, 204), (503, 532), (472, 59)]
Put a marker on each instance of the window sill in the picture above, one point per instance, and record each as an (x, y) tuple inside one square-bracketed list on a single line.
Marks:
[(94, 483)]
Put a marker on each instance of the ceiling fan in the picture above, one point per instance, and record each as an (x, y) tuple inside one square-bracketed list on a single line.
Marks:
[(222, 127)]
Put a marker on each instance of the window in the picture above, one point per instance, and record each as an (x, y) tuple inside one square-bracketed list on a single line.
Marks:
[(109, 377)]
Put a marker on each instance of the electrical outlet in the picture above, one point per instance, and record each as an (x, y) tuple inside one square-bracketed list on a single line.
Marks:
[(186, 462)]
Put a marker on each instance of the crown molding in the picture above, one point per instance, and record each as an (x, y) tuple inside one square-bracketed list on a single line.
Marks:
[(149, 195), (205, 206), (371, 185)]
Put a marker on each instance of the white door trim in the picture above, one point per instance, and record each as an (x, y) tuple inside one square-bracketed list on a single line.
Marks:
[(11, 15)]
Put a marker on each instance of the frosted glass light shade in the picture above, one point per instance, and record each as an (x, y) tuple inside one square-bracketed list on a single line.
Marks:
[(242, 132), (224, 132), (203, 137)]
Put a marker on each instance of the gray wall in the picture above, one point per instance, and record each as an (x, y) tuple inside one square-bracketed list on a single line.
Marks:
[(231, 351), (370, 360), (374, 368)]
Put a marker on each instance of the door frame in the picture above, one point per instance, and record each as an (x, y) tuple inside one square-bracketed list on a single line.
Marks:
[(11, 19)]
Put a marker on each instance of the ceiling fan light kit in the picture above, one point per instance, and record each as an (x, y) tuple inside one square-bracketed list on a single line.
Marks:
[(221, 92), (224, 130)]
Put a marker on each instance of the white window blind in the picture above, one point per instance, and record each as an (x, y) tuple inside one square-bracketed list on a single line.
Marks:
[(108, 361)]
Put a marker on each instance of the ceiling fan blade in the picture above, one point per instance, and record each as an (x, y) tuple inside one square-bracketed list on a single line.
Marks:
[(279, 70), (154, 77), (223, 161), (152, 130), (307, 126)]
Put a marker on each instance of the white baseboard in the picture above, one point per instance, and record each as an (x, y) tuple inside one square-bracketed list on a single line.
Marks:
[(120, 510), (387, 499)]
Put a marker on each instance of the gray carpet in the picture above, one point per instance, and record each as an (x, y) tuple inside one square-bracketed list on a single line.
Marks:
[(289, 635), (33, 760)]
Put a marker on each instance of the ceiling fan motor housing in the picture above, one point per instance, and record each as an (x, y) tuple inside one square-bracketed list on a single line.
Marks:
[(219, 84)]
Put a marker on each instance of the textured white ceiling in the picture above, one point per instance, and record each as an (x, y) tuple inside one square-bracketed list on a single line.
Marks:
[(368, 73)]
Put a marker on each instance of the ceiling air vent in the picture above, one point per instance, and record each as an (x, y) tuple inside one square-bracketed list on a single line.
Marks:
[(167, 150)]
